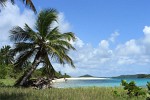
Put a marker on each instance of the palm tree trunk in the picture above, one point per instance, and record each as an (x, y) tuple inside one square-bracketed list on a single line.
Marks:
[(27, 74)]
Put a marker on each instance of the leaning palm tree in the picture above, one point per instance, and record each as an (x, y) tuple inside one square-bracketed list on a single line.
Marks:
[(42, 45), (27, 2)]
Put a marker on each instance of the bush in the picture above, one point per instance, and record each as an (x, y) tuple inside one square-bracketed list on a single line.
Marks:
[(148, 86), (132, 89), (148, 92), (3, 71), (37, 74), (2, 84)]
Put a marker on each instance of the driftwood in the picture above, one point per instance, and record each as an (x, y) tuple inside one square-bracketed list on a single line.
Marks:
[(40, 83)]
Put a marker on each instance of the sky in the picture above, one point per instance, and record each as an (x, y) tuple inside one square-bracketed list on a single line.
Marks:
[(113, 36)]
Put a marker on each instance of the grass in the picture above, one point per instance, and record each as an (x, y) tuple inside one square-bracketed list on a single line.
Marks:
[(8, 82), (91, 93)]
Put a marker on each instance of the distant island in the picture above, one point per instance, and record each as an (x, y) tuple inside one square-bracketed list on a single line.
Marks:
[(123, 76), (134, 76), (87, 75)]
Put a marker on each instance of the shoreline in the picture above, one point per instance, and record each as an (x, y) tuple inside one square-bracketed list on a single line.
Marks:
[(77, 78)]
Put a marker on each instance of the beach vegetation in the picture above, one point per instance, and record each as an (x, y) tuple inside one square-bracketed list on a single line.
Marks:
[(6, 57), (87, 93), (3, 72), (41, 72), (148, 91), (132, 89)]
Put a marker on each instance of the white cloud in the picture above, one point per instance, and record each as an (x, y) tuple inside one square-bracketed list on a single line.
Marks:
[(63, 24), (11, 16), (114, 36), (78, 43), (146, 30), (129, 48), (130, 57), (104, 44)]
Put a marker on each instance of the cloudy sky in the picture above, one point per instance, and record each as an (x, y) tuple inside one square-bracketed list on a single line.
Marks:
[(113, 36)]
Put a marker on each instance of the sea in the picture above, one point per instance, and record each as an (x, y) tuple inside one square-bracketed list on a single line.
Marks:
[(108, 82)]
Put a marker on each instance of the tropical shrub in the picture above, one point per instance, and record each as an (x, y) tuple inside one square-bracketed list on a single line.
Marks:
[(148, 92), (2, 84), (66, 76), (132, 89), (3, 71)]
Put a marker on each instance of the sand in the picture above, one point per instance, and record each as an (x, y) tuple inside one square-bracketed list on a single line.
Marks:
[(78, 78)]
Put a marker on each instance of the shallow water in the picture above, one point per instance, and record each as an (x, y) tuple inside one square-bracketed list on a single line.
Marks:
[(112, 82)]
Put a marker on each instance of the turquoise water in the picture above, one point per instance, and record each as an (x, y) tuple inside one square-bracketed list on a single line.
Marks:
[(112, 82)]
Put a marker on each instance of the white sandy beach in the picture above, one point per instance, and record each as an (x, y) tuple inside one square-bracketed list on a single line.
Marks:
[(77, 78)]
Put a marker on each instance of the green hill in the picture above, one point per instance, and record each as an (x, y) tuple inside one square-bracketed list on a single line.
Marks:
[(134, 76), (87, 75)]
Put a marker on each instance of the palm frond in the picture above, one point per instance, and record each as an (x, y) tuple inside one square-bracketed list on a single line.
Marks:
[(45, 19), (56, 35), (22, 46), (2, 2), (53, 31), (32, 36), (30, 4), (60, 54), (68, 36), (50, 69), (12, 1), (68, 60), (23, 57), (63, 43), (18, 34)]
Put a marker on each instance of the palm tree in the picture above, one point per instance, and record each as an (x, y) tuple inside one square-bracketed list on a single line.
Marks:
[(27, 3), (42, 45), (6, 56)]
